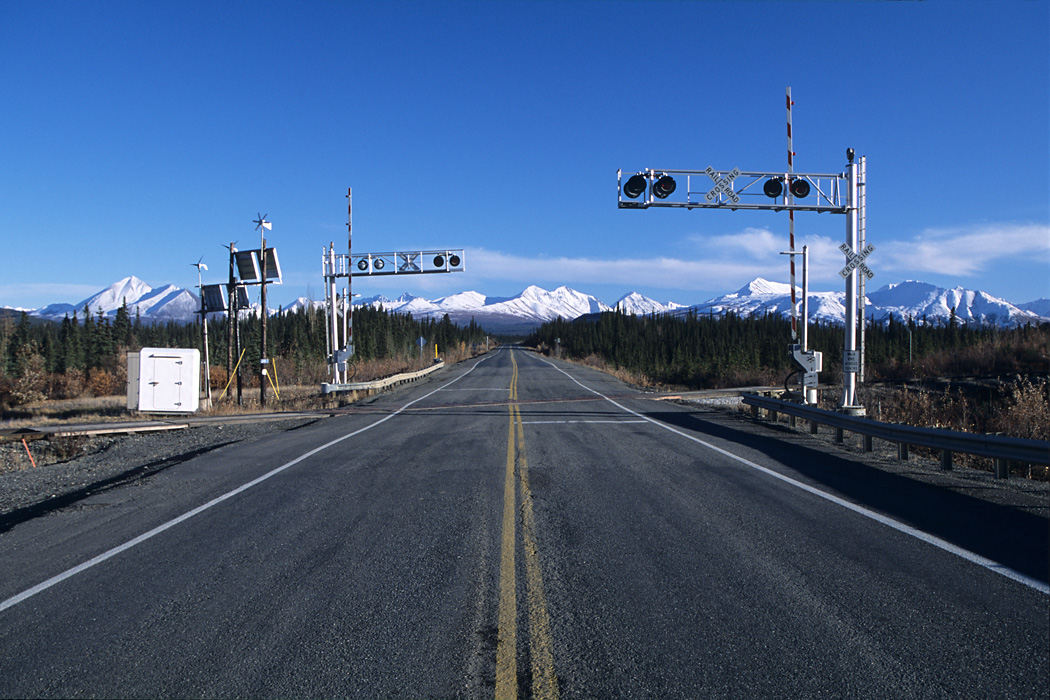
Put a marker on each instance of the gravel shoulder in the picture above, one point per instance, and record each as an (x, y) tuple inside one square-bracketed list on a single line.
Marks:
[(1028, 495), (96, 464)]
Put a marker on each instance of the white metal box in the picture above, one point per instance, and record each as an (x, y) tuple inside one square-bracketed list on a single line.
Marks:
[(167, 379)]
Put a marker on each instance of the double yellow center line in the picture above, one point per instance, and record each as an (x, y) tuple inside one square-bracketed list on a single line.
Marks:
[(544, 682)]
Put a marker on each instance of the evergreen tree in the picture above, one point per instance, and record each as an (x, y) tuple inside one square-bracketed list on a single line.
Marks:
[(122, 329)]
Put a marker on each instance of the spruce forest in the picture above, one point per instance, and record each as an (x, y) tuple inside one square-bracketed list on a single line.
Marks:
[(87, 355), (956, 376), (705, 352)]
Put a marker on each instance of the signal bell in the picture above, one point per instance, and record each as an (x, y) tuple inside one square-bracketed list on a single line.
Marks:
[(634, 186), (663, 187)]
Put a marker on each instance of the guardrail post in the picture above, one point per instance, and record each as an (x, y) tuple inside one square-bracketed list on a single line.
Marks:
[(867, 443), (902, 451), (1002, 468), (813, 427), (754, 411), (838, 435), (946, 460)]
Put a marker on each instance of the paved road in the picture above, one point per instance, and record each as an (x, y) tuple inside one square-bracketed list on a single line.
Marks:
[(521, 528)]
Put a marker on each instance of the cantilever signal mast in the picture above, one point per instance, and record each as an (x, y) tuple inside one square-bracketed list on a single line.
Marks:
[(833, 193), (337, 265)]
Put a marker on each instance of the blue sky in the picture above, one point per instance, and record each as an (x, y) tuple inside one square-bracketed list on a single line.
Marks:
[(137, 137)]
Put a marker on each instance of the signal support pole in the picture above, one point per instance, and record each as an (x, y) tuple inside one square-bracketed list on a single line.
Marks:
[(862, 242), (850, 355), (791, 220)]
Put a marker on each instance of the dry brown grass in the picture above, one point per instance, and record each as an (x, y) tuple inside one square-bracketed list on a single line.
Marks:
[(1016, 407), (732, 378), (299, 390)]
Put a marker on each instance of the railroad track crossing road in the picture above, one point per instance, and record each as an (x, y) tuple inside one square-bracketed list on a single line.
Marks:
[(505, 530)]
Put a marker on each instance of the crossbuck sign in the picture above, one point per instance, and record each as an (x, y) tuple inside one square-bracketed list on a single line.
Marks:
[(722, 185), (855, 261)]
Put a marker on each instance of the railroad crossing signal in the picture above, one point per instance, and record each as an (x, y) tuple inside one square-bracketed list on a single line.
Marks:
[(400, 263), (855, 261), (733, 189), (834, 193), (334, 266)]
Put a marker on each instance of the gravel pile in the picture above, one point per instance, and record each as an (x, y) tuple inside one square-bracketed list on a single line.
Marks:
[(70, 467)]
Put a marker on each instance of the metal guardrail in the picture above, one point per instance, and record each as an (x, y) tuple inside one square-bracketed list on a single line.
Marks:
[(1000, 448), (380, 384)]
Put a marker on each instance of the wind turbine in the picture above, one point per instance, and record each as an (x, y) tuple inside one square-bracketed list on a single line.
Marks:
[(200, 266)]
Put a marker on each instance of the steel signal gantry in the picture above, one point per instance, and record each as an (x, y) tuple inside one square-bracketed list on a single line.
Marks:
[(733, 189)]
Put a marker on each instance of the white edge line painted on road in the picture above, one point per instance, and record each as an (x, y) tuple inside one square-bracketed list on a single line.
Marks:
[(861, 510), (69, 573)]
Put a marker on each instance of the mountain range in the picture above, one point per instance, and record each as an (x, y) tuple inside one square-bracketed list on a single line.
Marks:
[(167, 303), (535, 305)]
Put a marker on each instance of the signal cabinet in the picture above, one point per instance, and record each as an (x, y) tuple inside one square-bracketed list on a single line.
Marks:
[(164, 380)]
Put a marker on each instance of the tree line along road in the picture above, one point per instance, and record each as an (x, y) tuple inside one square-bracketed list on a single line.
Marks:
[(519, 527)]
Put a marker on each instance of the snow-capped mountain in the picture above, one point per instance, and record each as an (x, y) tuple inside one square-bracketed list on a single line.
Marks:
[(1039, 306), (167, 303), (520, 313), (919, 301), (638, 305), (761, 297), (302, 303), (534, 305)]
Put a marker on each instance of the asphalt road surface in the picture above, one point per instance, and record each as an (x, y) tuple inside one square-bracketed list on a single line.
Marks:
[(518, 527)]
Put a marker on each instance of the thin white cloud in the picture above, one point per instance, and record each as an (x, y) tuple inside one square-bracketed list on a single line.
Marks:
[(664, 272), (966, 252), (39, 294), (756, 242)]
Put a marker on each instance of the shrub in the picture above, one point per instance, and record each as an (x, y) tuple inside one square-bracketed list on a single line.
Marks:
[(30, 378), (1027, 411), (69, 385), (102, 382)]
